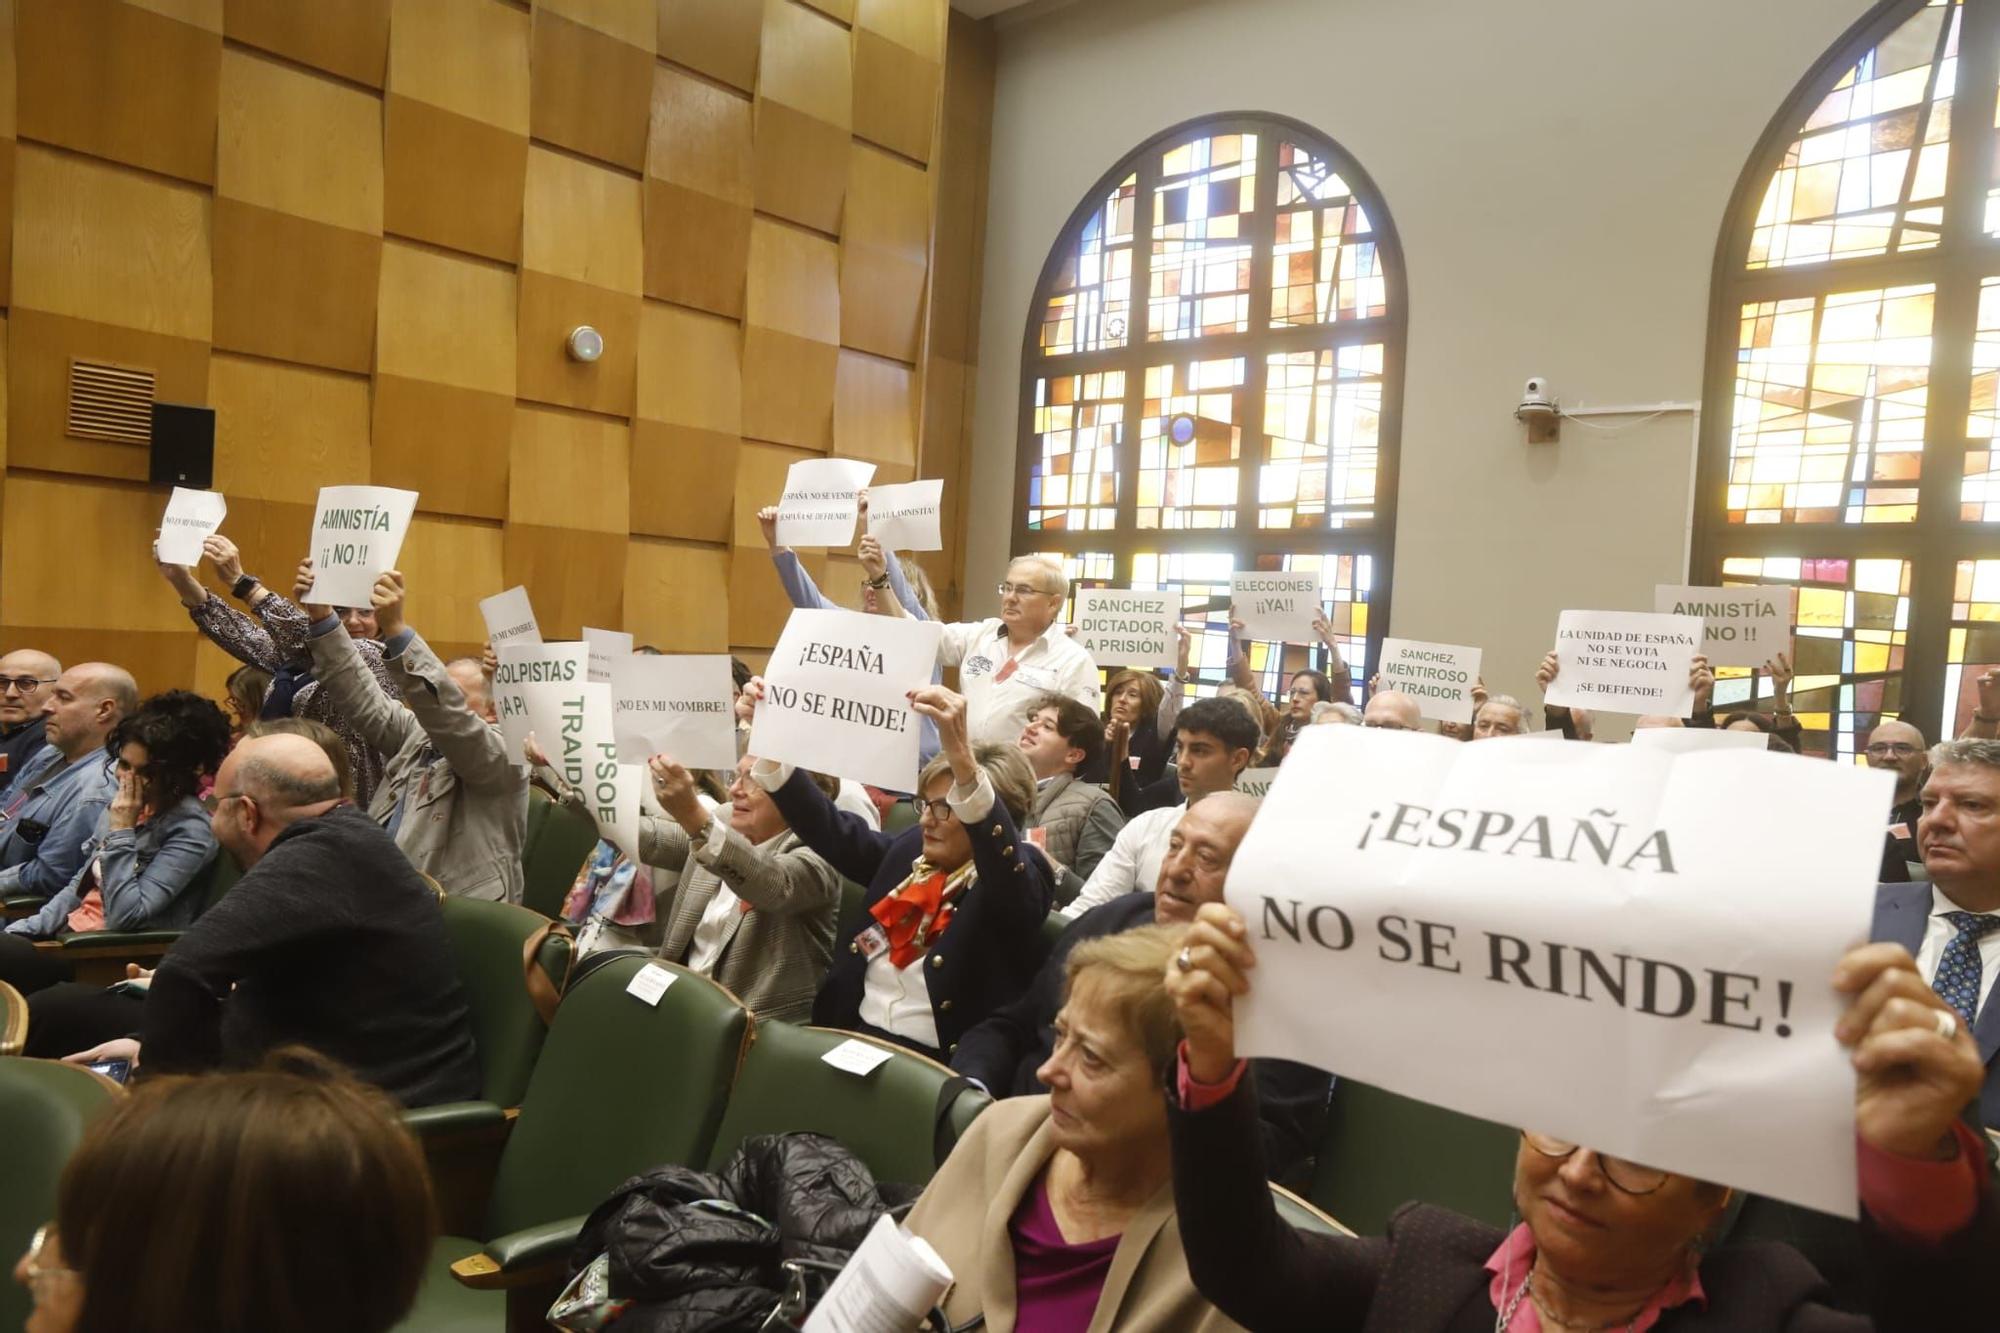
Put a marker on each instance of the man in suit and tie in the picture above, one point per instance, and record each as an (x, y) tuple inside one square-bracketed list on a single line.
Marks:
[(1952, 924)]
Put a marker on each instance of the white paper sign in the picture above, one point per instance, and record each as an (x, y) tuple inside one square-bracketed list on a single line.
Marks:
[(1741, 627), (820, 502), (835, 695), (1688, 740), (1439, 676), (613, 796), (1256, 781), (678, 706), (357, 533), (191, 517), (509, 618), (888, 1286), (1128, 626), (856, 1057), (1625, 662), (604, 645), (1589, 940), (907, 517), (649, 983), (1275, 606), (572, 724), (524, 664)]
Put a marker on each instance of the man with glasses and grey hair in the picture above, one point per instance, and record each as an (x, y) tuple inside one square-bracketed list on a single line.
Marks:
[(25, 676), (1899, 747), (1006, 663), (1952, 924)]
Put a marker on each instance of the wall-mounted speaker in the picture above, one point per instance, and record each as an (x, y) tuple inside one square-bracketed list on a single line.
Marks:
[(183, 446)]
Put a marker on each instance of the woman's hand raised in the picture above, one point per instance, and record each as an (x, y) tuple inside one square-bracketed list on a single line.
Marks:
[(1917, 1067), (1220, 960)]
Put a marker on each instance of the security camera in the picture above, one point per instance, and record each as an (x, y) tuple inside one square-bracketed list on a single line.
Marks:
[(1536, 393), (1538, 410)]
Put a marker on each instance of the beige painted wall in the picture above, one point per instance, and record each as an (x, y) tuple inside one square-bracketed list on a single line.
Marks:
[(1557, 171)]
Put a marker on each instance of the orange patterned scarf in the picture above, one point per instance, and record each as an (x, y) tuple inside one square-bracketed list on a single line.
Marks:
[(918, 910)]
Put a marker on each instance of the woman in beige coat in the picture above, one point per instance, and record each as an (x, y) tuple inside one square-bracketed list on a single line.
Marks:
[(1056, 1213)]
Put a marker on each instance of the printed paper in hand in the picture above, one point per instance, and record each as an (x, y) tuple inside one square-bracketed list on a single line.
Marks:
[(509, 619), (1656, 966), (604, 645), (191, 517), (357, 533), (1439, 676), (820, 502), (1275, 606), (649, 983), (836, 695), (1255, 781), (1130, 627), (856, 1057), (677, 706), (1687, 740), (525, 664), (906, 517), (1625, 662), (888, 1286), (1741, 627)]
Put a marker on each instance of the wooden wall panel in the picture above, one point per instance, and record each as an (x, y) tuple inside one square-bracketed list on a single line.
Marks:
[(569, 470), (760, 481), (40, 348), (842, 10), (452, 180), (582, 222), (299, 143), (720, 38), (805, 64), (294, 289), (96, 242), (446, 319), (916, 25), (884, 254), (449, 445), (273, 536), (577, 578), (805, 94), (43, 517), (699, 167), (675, 596), (469, 57), (791, 336), (448, 564), (282, 432), (591, 91), (875, 411), (550, 308), (758, 607), (683, 481), (203, 14), (120, 82), (691, 369), (350, 38), (895, 95)]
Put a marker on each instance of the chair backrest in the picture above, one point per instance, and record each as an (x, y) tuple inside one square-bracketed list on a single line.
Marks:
[(487, 941), (1380, 1151), (887, 1117), (45, 1107), (1053, 925), (901, 815), (13, 1020), (557, 843), (848, 924), (621, 1086), (216, 879)]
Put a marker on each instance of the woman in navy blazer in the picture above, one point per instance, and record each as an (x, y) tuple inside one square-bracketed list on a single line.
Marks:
[(955, 906)]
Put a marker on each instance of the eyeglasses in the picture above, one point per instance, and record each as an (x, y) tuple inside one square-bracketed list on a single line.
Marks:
[(1890, 750), (1626, 1177), (1383, 724), (24, 684), (1024, 590), (938, 810)]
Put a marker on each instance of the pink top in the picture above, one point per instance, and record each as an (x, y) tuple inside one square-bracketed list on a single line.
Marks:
[(1056, 1283), (1511, 1263)]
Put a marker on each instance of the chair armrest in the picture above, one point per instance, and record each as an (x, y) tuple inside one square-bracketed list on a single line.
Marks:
[(119, 941), (21, 904), (522, 1256), (452, 1118)]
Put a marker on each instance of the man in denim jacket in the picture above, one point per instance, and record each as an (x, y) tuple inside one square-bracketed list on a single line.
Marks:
[(51, 809)]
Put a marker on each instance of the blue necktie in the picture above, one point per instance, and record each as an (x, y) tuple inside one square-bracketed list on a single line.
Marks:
[(1957, 982)]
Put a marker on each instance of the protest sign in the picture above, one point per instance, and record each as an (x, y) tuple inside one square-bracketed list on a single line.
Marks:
[(1127, 626), (1439, 676), (525, 664), (907, 517), (509, 618), (819, 505), (357, 533), (1275, 605), (835, 695), (572, 724), (1688, 740), (1255, 781), (191, 517), (678, 706), (1625, 662), (1741, 627), (1590, 940), (605, 645)]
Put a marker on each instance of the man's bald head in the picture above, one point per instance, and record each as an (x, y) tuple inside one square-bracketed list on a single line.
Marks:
[(1899, 747), (470, 677), (1199, 851), (267, 784), (1392, 710), (101, 680), (25, 677), (1652, 720), (84, 704)]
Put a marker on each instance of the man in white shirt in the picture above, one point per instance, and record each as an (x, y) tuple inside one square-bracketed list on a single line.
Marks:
[(1009, 661), (1217, 738), (1952, 924)]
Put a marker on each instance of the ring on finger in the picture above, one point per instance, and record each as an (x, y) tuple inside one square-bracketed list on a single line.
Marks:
[(1184, 960), (1947, 1024)]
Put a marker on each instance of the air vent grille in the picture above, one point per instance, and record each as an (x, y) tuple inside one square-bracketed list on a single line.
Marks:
[(108, 402)]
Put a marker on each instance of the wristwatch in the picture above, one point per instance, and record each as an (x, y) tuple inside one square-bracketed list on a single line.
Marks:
[(243, 586), (878, 583)]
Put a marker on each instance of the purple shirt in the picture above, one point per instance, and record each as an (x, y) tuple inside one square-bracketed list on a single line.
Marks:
[(1056, 1283)]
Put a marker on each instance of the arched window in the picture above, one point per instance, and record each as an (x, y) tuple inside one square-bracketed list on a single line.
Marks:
[(1212, 381), (1854, 351)]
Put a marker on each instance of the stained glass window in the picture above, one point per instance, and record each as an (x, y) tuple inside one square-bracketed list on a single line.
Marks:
[(1848, 450), (1974, 645), (1244, 417)]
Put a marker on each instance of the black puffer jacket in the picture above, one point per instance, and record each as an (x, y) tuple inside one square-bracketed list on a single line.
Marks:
[(701, 1253)]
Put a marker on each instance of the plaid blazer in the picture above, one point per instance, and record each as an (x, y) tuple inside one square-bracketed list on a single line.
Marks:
[(776, 948)]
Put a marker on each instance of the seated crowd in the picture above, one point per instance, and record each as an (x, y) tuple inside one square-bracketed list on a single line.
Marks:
[(1043, 913)]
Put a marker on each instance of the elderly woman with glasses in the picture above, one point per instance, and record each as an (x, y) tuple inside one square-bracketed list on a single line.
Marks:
[(954, 910), (1603, 1243)]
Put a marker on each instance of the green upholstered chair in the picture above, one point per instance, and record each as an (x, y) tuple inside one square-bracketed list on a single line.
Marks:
[(889, 1118), (1380, 1151), (44, 1106), (902, 815), (557, 842), (1053, 925), (100, 956), (621, 1086), (848, 924)]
